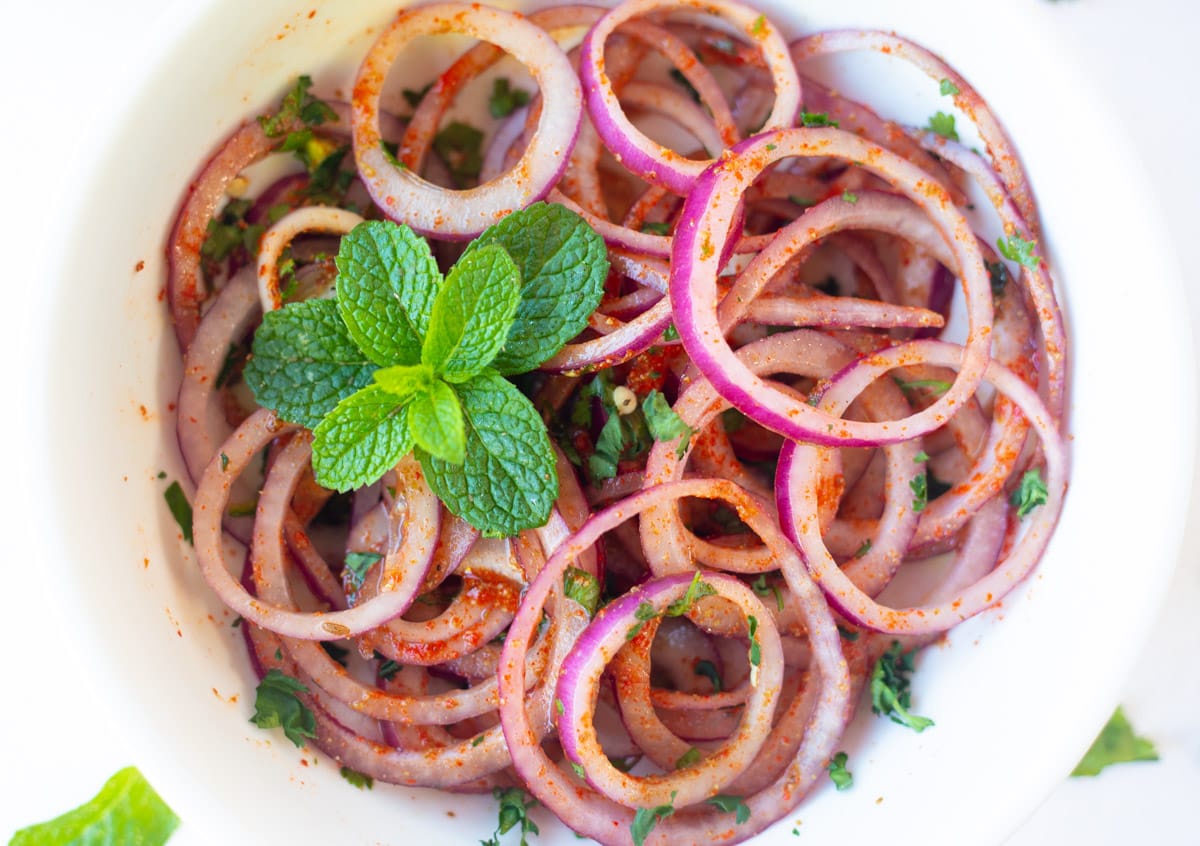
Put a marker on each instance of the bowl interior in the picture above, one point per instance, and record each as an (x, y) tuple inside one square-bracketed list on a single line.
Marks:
[(165, 658)]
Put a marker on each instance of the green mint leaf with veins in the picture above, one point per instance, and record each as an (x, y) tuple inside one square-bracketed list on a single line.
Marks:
[(1031, 493), (664, 423), (505, 99), (602, 464), (583, 587), (386, 285), (435, 419), (1015, 248), (126, 810), (304, 362), (507, 482), (361, 439), (277, 705), (472, 314), (1116, 744), (404, 381), (563, 265)]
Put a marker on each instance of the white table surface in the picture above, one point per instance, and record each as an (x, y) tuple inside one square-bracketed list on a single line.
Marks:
[(1144, 55)]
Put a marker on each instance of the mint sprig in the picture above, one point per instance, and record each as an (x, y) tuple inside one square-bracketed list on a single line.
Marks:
[(403, 359)]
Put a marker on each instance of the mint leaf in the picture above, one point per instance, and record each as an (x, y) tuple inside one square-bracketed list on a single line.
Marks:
[(507, 481), (126, 810), (406, 380), (563, 265), (304, 362), (386, 284), (360, 440), (472, 314), (1116, 744), (435, 419), (602, 464)]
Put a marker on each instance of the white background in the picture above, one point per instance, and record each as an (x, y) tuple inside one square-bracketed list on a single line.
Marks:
[(1142, 56)]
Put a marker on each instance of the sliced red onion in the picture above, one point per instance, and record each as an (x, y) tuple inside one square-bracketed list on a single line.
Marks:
[(702, 234), (407, 198), (275, 240), (653, 162)]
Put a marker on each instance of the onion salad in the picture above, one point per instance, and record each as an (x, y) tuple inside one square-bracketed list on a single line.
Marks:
[(654, 368)]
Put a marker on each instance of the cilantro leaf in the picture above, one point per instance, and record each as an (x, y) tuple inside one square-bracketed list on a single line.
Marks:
[(1030, 493), (297, 107), (602, 464), (1015, 248), (360, 780), (755, 646), (459, 147), (514, 811), (360, 440), (938, 386), (583, 587), (816, 119), (435, 419), (646, 819), (472, 314), (180, 508), (841, 777), (644, 613), (507, 481), (943, 124), (891, 688), (688, 758), (126, 810), (387, 281), (505, 99), (358, 564), (947, 88), (656, 228), (696, 590), (729, 804), (563, 265), (920, 492), (664, 423), (276, 705), (1116, 744), (304, 362)]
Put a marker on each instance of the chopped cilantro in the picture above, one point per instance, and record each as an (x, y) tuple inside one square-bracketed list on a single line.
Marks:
[(1015, 248), (644, 613), (760, 587), (337, 653), (459, 146), (180, 508), (755, 647), (646, 819), (277, 705), (359, 780), (688, 758), (891, 688), (696, 590), (850, 197), (948, 88), (505, 99), (297, 108), (583, 587), (848, 635), (514, 811), (1030, 493), (709, 671), (841, 777), (816, 119), (943, 124), (864, 549), (655, 228), (730, 805), (920, 492), (414, 97)]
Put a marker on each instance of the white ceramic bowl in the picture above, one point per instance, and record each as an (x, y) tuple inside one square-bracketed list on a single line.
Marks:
[(1017, 693)]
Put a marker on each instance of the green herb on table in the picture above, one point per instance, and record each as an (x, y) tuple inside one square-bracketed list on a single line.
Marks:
[(402, 360), (1116, 744), (127, 810)]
